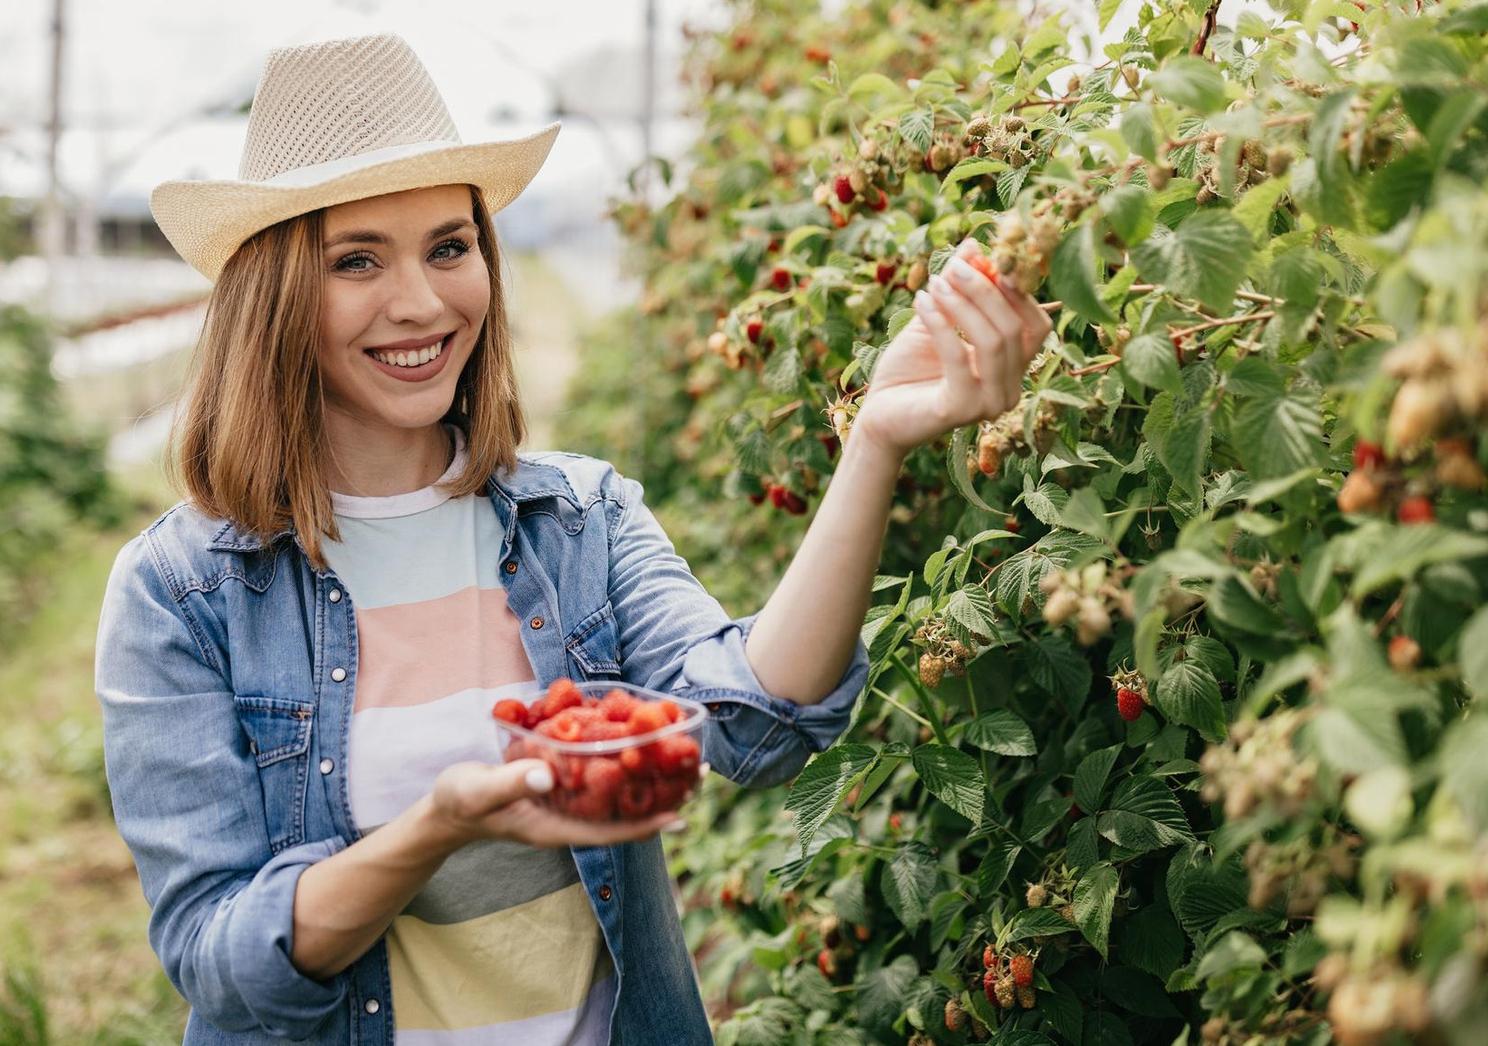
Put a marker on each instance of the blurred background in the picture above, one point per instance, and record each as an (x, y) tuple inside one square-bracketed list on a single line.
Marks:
[(99, 101)]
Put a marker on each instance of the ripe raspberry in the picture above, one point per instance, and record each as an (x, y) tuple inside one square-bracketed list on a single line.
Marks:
[(815, 53), (646, 717), (885, 272), (591, 806), (1021, 967), (511, 711), (1405, 652), (1129, 705), (983, 264), (1368, 454), (880, 201), (826, 962), (677, 756), (989, 957), (669, 792), (989, 985), (955, 1015), (752, 330), (617, 706), (843, 188), (757, 499), (1416, 509), (896, 821), (636, 798), (780, 279), (603, 774), (793, 502)]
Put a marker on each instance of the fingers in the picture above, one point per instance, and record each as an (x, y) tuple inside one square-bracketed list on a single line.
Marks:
[(1035, 321), (954, 360), (953, 292)]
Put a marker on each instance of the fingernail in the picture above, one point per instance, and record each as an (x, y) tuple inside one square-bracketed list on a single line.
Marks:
[(959, 267), (703, 769), (938, 284), (540, 779), (674, 826)]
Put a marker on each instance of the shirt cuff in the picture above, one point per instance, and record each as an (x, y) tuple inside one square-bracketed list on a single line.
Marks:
[(718, 670)]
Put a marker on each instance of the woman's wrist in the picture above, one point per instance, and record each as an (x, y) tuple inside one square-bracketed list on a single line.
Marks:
[(434, 833)]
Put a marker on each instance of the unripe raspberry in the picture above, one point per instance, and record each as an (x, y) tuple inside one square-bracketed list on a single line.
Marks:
[(718, 342), (822, 195), (1278, 160), (1158, 175), (919, 272), (932, 670), (858, 180), (1061, 606), (955, 1014), (868, 149), (1004, 992), (1094, 621), (979, 127), (1360, 492), (1419, 409), (1027, 997), (989, 455)]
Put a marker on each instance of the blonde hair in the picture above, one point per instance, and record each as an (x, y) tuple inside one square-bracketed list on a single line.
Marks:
[(248, 441)]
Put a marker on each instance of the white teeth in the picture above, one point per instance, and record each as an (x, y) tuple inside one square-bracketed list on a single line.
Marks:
[(416, 358)]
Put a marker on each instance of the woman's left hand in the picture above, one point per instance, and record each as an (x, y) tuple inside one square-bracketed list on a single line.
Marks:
[(929, 380)]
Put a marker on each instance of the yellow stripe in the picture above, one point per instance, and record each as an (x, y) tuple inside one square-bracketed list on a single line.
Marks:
[(535, 958)]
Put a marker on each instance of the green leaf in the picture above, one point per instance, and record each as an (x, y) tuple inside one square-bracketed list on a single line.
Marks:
[(1035, 922), (1257, 207), (822, 784), (1191, 82), (1132, 212), (1229, 601), (909, 882), (1144, 815), (1002, 732), (1139, 129), (1472, 654), (1151, 940), (953, 777), (1465, 770), (1204, 258), (996, 866), (971, 608), (956, 456), (1072, 274), (1150, 360), (869, 84), (1234, 951), (765, 1022), (1409, 548), (1090, 777), (881, 994), (916, 127), (1095, 899), (1179, 435), (1056, 666), (971, 167), (1187, 693), (1279, 433)]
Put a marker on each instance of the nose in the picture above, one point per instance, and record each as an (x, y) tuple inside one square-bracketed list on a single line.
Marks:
[(412, 300)]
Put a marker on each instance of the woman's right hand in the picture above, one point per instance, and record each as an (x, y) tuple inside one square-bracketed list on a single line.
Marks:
[(476, 800)]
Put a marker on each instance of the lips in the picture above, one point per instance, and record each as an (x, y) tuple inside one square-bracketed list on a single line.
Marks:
[(410, 343), (412, 363)]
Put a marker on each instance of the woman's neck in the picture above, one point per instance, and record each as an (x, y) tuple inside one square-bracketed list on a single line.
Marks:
[(383, 460)]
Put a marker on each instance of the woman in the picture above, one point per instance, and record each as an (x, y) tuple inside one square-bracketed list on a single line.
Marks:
[(297, 662)]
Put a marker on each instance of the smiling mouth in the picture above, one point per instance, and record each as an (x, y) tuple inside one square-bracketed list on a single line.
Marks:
[(411, 357)]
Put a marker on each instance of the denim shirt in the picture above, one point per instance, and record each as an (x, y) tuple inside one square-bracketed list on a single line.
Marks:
[(226, 668)]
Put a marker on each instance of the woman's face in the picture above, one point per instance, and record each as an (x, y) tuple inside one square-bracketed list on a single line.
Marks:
[(405, 291)]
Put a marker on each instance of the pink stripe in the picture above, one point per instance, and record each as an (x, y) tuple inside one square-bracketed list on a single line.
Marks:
[(414, 653)]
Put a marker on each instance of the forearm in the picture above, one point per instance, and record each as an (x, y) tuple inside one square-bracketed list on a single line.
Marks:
[(803, 638), (344, 903)]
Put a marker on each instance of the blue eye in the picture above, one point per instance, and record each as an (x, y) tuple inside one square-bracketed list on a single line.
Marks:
[(460, 247), (456, 247)]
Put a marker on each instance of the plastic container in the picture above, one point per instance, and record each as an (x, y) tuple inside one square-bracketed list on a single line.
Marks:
[(637, 765)]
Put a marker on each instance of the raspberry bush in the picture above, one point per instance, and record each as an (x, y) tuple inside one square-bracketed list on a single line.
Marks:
[(1174, 729)]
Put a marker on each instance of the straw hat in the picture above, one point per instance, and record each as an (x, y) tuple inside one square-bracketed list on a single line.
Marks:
[(331, 122)]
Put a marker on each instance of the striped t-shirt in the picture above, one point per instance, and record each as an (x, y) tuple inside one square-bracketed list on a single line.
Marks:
[(501, 945)]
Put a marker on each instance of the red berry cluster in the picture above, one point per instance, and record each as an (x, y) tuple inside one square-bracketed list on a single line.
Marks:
[(634, 782)]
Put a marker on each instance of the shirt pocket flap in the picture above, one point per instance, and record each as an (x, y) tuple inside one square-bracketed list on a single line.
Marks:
[(277, 727), (595, 642)]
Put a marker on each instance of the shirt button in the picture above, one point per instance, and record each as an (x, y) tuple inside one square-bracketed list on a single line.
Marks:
[(327, 765), (605, 892), (511, 566), (335, 595), (338, 674), (537, 622), (372, 1006)]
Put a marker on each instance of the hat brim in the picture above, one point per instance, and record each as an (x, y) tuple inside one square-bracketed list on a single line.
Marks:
[(206, 221)]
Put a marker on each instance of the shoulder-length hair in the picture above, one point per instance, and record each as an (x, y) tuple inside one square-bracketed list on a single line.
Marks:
[(248, 442)]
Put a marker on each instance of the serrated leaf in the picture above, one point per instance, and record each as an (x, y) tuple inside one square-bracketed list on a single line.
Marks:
[(1095, 899), (1131, 211), (1149, 359), (1234, 951), (821, 785), (917, 127), (1187, 693), (1144, 815), (953, 777), (909, 883), (1056, 666), (1139, 129), (1278, 433), (1204, 258), (1002, 732), (782, 371), (1472, 647), (996, 866), (1090, 777), (1035, 922), (971, 608)]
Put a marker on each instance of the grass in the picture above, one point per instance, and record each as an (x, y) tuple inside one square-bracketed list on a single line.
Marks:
[(77, 965)]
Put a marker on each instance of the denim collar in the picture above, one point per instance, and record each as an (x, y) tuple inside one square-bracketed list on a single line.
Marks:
[(529, 481)]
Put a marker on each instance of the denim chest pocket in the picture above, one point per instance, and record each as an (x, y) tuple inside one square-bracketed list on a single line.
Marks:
[(278, 732), (595, 644)]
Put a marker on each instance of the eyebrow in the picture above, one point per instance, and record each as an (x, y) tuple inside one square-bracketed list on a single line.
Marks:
[(372, 236)]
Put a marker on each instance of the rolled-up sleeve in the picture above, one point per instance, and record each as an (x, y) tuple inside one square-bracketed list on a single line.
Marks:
[(187, 800), (677, 638)]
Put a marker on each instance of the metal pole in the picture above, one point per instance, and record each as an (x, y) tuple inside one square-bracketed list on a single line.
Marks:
[(52, 231)]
